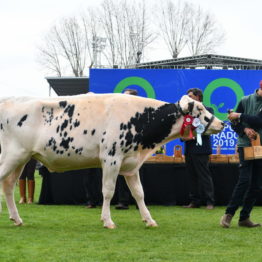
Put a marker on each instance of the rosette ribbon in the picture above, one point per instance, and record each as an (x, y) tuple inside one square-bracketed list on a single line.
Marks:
[(200, 130), (187, 126)]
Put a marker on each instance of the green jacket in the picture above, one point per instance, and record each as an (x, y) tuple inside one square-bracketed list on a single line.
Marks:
[(251, 105)]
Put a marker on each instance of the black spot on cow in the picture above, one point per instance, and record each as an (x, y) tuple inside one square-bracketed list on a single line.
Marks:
[(121, 136), (48, 115), (70, 110), (20, 123), (65, 143), (206, 119), (104, 133), (52, 144), (79, 150), (64, 125), (190, 106), (128, 138), (57, 129), (93, 132), (65, 134), (151, 126), (112, 150), (76, 123), (63, 104), (85, 132), (1, 126), (114, 162), (102, 140), (68, 154)]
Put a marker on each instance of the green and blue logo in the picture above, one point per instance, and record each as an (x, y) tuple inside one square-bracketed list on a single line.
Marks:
[(214, 86), (135, 81)]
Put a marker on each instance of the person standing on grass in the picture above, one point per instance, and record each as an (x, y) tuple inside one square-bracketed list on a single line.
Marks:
[(247, 123), (27, 178), (197, 164)]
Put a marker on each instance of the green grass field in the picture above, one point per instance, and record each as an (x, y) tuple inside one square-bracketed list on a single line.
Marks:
[(75, 233)]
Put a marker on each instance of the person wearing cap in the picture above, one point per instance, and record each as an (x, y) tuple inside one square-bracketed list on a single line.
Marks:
[(247, 123), (197, 164)]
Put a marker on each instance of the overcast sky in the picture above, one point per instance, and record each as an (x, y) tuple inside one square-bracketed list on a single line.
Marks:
[(23, 23)]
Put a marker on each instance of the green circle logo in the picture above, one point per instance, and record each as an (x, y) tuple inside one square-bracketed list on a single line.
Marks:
[(135, 80), (234, 86)]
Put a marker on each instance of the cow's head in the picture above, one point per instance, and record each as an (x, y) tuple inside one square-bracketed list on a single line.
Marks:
[(196, 109)]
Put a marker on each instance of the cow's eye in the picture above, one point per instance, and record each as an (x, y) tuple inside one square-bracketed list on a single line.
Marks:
[(206, 119), (199, 109)]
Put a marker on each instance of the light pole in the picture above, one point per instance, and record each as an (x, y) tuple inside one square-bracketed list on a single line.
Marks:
[(98, 45)]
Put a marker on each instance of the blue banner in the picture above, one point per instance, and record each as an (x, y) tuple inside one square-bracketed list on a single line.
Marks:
[(222, 90)]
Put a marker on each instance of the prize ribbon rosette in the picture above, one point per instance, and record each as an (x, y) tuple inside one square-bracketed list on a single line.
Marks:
[(187, 127), (200, 128)]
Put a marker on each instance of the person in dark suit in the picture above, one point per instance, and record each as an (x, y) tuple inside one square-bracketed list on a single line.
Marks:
[(197, 164), (93, 187)]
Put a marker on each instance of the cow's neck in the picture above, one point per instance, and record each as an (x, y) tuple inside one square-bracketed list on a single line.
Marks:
[(153, 126)]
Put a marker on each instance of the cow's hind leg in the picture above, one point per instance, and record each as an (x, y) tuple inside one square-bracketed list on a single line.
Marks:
[(108, 188), (8, 184), (137, 191)]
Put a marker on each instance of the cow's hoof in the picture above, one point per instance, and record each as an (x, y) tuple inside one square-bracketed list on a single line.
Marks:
[(152, 224), (112, 226), (16, 223)]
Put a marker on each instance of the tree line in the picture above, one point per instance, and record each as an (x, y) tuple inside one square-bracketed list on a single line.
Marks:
[(121, 33)]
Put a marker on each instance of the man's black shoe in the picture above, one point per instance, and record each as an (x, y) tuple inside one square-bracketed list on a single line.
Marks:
[(121, 206)]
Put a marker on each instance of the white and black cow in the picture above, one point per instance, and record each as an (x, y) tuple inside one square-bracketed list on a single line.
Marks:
[(114, 131)]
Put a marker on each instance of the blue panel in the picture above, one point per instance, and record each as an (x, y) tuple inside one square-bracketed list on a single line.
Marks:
[(222, 90)]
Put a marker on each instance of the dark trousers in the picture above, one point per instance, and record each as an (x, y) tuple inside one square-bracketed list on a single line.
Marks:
[(247, 188), (123, 191), (93, 186), (29, 170), (200, 180)]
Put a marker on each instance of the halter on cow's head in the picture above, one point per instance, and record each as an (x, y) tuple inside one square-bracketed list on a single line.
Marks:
[(192, 110)]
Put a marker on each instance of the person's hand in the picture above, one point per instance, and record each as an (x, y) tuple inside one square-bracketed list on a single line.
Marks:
[(233, 116), (187, 138), (251, 133)]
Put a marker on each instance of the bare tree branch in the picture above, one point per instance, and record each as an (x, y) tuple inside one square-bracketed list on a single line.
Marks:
[(127, 29), (173, 23), (203, 33)]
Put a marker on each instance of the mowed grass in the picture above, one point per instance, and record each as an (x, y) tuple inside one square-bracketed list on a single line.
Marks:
[(75, 233)]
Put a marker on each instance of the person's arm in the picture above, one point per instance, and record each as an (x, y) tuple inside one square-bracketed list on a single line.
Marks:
[(237, 126), (253, 121), (237, 123)]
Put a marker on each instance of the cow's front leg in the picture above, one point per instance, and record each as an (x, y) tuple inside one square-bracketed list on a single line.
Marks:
[(108, 189), (137, 191)]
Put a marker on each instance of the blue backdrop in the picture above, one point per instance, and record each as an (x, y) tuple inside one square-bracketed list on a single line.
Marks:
[(222, 90)]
